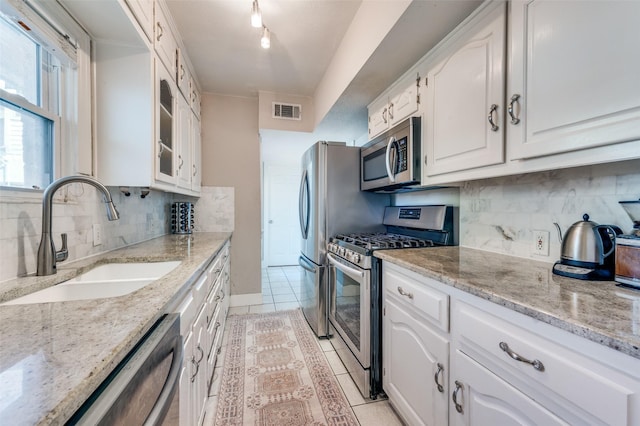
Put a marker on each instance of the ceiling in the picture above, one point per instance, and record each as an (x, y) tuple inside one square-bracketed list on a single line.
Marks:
[(227, 58)]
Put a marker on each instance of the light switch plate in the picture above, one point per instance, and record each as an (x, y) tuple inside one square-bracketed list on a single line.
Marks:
[(97, 234)]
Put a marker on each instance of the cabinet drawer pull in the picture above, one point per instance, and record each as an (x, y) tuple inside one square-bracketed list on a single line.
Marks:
[(160, 31), (535, 363), (493, 109), (439, 372), (404, 293), (514, 119), (454, 396)]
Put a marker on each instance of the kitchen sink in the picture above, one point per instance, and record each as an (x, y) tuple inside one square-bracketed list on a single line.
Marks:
[(109, 280)]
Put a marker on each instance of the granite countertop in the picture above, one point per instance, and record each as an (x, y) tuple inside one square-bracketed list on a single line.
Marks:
[(597, 310), (54, 355)]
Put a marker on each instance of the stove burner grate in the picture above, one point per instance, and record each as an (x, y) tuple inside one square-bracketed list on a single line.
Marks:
[(383, 241)]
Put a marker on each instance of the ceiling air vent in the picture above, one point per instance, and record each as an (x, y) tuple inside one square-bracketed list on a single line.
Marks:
[(287, 111)]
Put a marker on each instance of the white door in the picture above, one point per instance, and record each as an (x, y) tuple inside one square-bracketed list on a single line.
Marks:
[(281, 205)]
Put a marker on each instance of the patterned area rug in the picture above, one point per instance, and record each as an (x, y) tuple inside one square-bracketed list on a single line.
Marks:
[(275, 374)]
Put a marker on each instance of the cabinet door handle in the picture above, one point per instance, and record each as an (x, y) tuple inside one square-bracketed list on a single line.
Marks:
[(197, 364), (161, 148), (535, 363), (514, 99), (493, 109), (160, 31), (195, 170), (439, 372), (181, 162), (404, 293), (454, 396), (201, 353), (391, 111), (181, 72), (384, 115)]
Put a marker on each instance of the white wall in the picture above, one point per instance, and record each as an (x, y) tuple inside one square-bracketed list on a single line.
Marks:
[(265, 113)]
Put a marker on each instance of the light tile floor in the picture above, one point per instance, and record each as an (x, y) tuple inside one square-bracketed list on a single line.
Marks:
[(280, 291)]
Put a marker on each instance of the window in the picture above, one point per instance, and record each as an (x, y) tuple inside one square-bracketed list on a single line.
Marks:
[(44, 95)]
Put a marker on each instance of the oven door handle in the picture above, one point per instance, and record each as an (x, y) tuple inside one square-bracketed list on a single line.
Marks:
[(344, 267)]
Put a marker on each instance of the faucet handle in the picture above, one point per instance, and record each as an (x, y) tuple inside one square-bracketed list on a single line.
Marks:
[(63, 253)]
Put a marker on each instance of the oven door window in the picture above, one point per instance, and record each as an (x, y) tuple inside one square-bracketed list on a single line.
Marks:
[(346, 310)]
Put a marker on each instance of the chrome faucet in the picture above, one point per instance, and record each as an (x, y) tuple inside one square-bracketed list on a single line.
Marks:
[(47, 254)]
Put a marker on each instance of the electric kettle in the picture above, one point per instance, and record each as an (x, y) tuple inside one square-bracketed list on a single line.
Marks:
[(588, 251)]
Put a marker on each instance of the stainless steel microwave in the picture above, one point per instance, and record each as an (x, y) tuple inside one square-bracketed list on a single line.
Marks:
[(391, 162)]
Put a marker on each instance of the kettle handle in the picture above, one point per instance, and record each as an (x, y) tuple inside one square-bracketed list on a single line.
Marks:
[(613, 231)]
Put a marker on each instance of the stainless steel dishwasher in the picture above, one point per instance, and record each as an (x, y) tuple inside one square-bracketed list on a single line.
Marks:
[(143, 389)]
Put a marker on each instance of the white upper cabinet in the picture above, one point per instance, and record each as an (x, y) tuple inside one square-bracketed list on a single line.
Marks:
[(574, 68), (164, 41), (196, 156), (184, 164), (143, 11), (183, 76), (399, 103), (464, 103)]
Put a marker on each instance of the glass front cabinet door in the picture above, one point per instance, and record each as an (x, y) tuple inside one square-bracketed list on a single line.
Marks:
[(166, 112)]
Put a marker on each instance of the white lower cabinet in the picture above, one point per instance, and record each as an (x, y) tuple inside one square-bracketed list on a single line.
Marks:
[(415, 367), (500, 367), (483, 398), (202, 317), (415, 349)]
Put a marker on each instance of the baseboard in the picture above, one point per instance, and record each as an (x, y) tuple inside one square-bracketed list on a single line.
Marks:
[(245, 299)]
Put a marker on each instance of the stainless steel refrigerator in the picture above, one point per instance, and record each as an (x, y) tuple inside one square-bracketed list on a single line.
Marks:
[(330, 203)]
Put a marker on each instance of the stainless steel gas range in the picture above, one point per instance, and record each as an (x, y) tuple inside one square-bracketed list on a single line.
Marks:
[(355, 287)]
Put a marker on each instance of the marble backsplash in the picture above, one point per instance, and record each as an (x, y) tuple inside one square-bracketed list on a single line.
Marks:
[(501, 214), (214, 211), (77, 207)]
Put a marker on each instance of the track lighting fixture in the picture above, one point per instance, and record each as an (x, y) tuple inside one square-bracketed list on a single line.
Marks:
[(265, 41), (256, 15)]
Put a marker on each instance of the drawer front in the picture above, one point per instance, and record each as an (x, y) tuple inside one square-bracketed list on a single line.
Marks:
[(415, 291), (593, 387), (187, 311), (199, 290)]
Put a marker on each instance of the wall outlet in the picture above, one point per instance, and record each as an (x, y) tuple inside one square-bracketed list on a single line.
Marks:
[(541, 243), (97, 234)]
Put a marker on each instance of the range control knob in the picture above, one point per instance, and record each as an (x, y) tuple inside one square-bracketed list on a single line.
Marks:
[(341, 251), (355, 258)]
